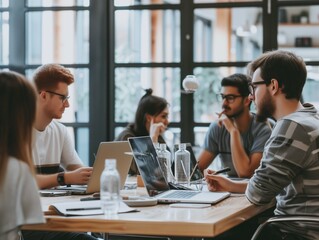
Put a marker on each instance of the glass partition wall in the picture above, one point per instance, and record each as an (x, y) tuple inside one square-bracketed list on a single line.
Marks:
[(211, 40), (158, 43)]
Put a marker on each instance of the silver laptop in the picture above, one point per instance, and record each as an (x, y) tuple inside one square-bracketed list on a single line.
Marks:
[(147, 162), (106, 150)]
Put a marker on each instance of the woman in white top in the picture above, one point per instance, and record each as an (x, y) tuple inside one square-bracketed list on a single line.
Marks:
[(19, 197)]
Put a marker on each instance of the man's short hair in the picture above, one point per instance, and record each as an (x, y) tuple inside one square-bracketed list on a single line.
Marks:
[(286, 67), (47, 77), (238, 80)]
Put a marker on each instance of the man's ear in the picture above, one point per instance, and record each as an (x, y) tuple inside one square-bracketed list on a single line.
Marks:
[(42, 95), (247, 100), (274, 86)]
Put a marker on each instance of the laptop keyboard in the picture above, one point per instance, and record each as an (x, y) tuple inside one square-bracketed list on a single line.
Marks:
[(181, 194)]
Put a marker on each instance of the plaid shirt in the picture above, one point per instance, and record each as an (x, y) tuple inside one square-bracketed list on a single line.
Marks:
[(289, 169)]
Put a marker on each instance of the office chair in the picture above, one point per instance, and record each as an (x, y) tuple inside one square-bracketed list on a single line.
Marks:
[(292, 218)]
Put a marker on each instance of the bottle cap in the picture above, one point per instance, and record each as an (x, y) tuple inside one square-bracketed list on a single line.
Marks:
[(110, 163)]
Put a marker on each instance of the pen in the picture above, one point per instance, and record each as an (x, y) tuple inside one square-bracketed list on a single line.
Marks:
[(195, 167), (83, 209), (89, 198), (184, 170), (227, 169)]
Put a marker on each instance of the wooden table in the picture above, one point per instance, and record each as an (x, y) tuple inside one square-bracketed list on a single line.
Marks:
[(159, 220)]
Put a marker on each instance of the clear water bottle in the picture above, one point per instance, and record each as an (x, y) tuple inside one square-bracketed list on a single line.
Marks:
[(110, 189), (182, 165), (164, 158), (157, 147)]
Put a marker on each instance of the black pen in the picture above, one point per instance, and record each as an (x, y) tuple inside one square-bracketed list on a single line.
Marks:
[(89, 198), (83, 209), (227, 169), (194, 169)]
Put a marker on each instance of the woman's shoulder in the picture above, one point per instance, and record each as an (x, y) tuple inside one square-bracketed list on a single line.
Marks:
[(15, 164), (125, 134)]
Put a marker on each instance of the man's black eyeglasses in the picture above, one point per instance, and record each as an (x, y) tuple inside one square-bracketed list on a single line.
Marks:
[(252, 86), (63, 98), (230, 98)]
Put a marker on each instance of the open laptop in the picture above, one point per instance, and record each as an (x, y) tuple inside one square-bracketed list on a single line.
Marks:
[(115, 150), (156, 185)]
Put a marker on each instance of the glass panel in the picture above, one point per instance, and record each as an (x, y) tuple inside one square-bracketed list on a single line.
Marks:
[(293, 0), (82, 145), (143, 2), (214, 1), (57, 36), (205, 98), (118, 130), (227, 34), (80, 138), (54, 3), (147, 36), (4, 40), (298, 29), (310, 91), (4, 3), (79, 96), (129, 85), (172, 136), (200, 133)]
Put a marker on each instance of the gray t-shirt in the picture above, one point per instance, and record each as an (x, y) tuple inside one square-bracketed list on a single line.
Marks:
[(217, 141)]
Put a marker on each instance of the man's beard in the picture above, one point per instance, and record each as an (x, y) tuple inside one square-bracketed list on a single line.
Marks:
[(265, 109), (235, 114)]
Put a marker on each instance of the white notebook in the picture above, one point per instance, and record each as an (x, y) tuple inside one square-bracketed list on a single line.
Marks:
[(84, 208)]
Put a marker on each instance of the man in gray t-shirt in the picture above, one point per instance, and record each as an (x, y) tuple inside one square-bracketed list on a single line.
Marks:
[(237, 137)]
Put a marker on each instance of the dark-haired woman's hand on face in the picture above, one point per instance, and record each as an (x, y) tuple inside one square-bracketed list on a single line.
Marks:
[(156, 129)]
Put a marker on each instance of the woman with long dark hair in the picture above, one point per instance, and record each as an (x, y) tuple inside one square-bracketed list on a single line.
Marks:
[(151, 119)]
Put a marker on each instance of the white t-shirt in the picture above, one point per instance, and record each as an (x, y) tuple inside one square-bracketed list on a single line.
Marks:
[(53, 147), (19, 200)]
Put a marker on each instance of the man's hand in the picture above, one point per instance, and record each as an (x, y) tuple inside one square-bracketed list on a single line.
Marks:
[(79, 176), (220, 183), (216, 183), (226, 121)]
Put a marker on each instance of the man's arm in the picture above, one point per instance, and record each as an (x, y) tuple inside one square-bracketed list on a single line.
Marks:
[(244, 165), (78, 176), (205, 159), (45, 181), (73, 167)]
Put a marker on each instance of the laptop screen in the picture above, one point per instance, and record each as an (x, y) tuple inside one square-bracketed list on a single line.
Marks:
[(146, 160)]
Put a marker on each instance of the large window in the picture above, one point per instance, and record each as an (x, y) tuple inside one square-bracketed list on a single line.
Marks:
[(4, 33), (158, 43), (55, 32), (210, 39), (117, 48)]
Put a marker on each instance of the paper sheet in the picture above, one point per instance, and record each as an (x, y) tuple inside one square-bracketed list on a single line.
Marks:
[(85, 208)]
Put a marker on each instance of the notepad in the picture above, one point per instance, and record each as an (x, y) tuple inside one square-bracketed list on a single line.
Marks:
[(86, 208)]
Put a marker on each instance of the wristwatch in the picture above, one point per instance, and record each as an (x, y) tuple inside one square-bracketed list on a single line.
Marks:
[(60, 179)]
